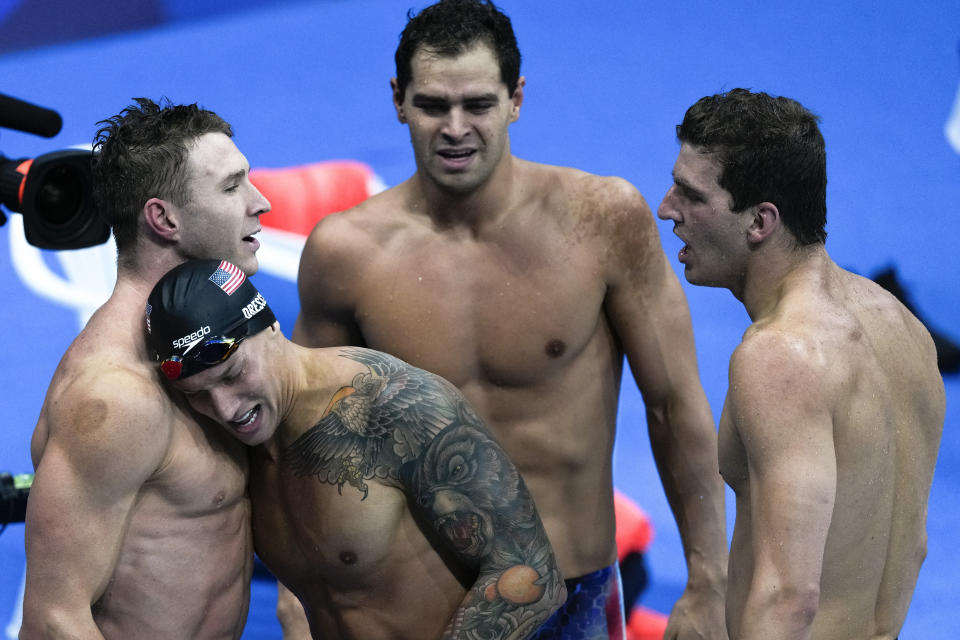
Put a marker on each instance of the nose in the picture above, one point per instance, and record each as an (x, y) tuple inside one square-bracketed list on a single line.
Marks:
[(456, 125), (667, 209), (222, 405), (258, 203)]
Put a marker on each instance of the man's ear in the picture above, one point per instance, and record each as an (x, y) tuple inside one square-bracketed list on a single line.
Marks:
[(161, 217), (764, 221), (397, 103), (517, 99)]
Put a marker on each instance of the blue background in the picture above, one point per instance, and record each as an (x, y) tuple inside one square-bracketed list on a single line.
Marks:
[(606, 83)]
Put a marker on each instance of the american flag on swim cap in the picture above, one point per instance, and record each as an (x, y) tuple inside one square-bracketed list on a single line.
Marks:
[(228, 277)]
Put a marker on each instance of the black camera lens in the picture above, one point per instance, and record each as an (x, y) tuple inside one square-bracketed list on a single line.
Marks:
[(60, 195)]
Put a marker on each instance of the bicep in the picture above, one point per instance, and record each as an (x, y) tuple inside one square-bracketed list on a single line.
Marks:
[(86, 483), (648, 311), (469, 491), (325, 285), (316, 329), (72, 534)]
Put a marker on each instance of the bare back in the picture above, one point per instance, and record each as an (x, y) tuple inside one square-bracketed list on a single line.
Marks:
[(138, 522), (873, 379), (514, 312)]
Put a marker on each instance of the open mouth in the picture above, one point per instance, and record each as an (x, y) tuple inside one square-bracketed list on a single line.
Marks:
[(457, 154), (456, 158), (246, 421), (251, 240)]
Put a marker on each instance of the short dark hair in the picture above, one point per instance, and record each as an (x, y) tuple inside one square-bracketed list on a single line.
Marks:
[(141, 153), (770, 150), (449, 28)]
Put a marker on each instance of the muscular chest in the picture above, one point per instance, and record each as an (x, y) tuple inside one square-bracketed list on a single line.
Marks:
[(475, 310), (732, 456), (206, 469), (307, 530)]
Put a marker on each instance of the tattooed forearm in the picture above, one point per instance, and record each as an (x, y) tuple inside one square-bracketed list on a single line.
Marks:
[(476, 500)]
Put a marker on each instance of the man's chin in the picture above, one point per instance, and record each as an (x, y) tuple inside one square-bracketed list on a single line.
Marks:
[(699, 280), (249, 263), (458, 183)]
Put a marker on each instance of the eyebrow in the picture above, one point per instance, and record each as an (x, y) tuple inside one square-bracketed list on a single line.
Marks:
[(424, 98), (683, 184), (484, 97), (233, 177)]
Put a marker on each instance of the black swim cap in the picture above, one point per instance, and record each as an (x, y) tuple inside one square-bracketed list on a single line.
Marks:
[(198, 312)]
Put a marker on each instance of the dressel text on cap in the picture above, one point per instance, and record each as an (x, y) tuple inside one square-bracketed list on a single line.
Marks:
[(254, 307)]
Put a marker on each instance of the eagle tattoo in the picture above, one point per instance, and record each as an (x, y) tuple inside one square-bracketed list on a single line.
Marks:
[(383, 419)]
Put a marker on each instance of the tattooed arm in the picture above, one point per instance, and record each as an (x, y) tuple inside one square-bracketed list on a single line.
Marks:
[(474, 498), (416, 430)]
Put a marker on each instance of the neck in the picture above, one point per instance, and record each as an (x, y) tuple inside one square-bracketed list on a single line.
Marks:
[(290, 388), (307, 382), (147, 267), (773, 273), (474, 209)]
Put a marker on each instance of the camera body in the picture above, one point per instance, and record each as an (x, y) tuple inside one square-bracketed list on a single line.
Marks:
[(14, 490), (54, 192)]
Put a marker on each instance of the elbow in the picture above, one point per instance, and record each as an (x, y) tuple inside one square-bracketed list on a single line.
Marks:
[(921, 549), (36, 625), (54, 616), (802, 607), (553, 597), (558, 599), (794, 607)]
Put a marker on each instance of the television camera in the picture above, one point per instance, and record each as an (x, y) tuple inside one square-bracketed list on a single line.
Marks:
[(14, 490), (53, 191)]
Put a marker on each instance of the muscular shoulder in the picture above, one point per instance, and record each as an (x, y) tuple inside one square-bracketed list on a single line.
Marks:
[(601, 200), (779, 375), (104, 410), (341, 245), (371, 222), (613, 215), (776, 349)]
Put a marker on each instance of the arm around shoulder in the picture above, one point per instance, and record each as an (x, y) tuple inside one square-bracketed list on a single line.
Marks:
[(104, 441)]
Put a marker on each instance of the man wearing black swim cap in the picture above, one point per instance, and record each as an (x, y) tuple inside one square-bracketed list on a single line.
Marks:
[(379, 497), (138, 524)]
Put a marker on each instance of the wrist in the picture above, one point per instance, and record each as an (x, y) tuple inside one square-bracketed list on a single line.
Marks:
[(707, 574)]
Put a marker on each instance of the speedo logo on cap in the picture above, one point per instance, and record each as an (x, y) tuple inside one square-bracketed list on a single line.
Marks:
[(190, 340), (254, 307)]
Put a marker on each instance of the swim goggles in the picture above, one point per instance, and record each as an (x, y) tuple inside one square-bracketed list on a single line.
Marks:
[(212, 352)]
